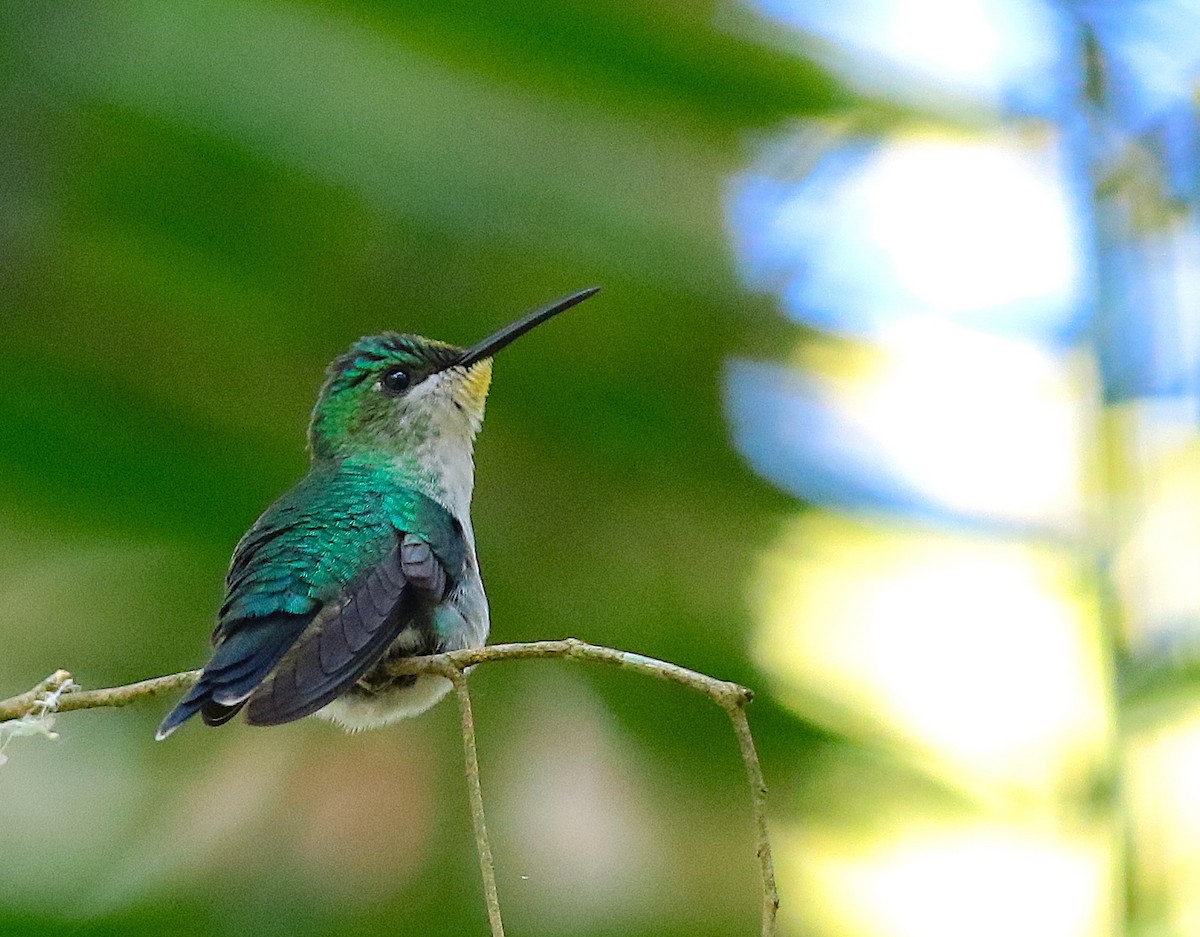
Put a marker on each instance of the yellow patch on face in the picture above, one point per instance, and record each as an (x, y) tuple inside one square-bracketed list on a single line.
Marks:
[(471, 389)]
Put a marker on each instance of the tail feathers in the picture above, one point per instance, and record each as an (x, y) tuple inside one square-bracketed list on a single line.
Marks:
[(245, 658), (217, 714), (191, 704), (240, 663)]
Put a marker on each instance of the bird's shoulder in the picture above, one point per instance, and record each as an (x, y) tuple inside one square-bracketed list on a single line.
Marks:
[(328, 530)]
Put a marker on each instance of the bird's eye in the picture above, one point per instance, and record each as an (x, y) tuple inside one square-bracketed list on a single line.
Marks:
[(395, 381)]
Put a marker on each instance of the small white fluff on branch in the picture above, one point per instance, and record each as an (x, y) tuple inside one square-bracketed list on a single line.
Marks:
[(33, 712)]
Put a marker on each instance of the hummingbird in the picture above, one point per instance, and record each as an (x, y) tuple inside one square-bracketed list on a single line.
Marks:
[(371, 556)]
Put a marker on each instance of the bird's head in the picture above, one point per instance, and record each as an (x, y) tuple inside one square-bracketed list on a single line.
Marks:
[(392, 394)]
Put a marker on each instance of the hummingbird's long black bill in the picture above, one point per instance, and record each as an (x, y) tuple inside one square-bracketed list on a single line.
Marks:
[(510, 333)]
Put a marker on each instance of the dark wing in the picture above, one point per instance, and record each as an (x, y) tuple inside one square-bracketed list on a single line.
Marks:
[(349, 636), (240, 663), (299, 617)]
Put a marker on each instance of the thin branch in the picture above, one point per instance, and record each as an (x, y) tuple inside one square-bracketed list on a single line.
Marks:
[(28, 703), (483, 846), (721, 691), (758, 794), (31, 702), (453, 665), (110, 696)]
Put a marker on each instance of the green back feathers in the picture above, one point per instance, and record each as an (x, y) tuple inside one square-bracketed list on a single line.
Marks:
[(333, 527)]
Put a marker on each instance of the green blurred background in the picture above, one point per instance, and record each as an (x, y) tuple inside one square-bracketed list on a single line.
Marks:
[(887, 410)]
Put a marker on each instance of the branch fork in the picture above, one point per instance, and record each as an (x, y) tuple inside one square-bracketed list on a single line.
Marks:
[(32, 712)]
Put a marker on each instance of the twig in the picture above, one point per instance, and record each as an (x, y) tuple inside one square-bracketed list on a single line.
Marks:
[(483, 846), (758, 794), (720, 691), (27, 703), (453, 665)]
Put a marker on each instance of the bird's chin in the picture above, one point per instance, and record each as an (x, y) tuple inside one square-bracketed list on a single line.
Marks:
[(359, 709)]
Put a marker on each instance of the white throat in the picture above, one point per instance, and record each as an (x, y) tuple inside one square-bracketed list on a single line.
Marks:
[(445, 456), (446, 468)]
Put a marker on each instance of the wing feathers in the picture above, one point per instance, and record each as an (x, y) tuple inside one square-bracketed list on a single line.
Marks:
[(337, 650), (381, 594), (420, 566), (299, 625), (334, 646)]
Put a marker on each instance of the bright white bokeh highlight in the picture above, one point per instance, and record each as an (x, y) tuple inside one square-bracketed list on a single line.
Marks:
[(982, 231), (972, 247), (983, 425), (987, 53), (945, 879), (934, 420), (981, 656)]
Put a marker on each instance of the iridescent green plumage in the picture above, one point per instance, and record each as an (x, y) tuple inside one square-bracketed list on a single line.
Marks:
[(338, 522), (371, 555), (348, 416), (298, 584)]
